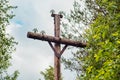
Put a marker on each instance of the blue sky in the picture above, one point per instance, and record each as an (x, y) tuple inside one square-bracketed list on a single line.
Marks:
[(33, 56)]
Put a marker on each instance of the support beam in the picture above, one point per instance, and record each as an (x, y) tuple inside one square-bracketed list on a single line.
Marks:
[(63, 49), (56, 53), (55, 39)]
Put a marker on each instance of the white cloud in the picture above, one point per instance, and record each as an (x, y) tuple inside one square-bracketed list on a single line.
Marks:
[(30, 61), (12, 27)]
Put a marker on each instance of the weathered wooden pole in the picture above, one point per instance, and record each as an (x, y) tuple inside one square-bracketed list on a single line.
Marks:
[(57, 47), (58, 41)]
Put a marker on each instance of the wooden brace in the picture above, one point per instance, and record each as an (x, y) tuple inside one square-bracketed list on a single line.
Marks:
[(56, 53)]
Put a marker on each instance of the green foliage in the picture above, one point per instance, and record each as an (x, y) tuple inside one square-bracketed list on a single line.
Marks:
[(49, 73), (101, 59), (74, 27), (11, 77), (6, 41)]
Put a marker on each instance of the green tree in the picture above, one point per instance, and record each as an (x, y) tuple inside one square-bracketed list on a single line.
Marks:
[(102, 59), (6, 41), (74, 25), (48, 73)]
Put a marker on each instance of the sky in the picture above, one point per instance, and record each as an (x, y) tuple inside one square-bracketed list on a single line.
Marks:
[(32, 56)]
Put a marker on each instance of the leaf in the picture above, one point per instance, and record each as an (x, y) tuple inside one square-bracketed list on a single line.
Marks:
[(89, 69), (115, 34), (118, 41), (95, 36)]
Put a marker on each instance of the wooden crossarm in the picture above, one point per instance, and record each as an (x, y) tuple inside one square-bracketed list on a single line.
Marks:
[(55, 39)]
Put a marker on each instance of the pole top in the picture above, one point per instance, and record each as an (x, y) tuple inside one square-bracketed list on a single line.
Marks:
[(53, 15)]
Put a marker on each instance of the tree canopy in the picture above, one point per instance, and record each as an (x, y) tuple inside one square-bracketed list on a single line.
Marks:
[(101, 58), (48, 73), (6, 41)]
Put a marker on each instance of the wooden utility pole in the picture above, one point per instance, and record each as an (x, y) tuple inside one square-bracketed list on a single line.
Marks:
[(57, 46)]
